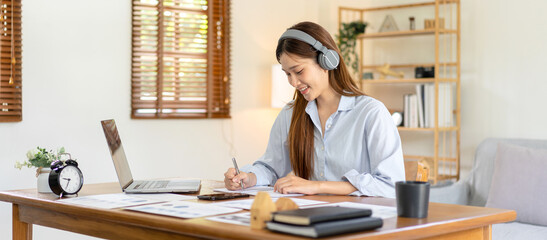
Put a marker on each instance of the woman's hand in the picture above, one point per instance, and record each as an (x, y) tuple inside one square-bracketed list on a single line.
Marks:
[(294, 184), (232, 179)]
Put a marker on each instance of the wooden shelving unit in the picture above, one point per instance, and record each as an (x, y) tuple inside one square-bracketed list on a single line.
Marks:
[(409, 80), (440, 129), (404, 33), (444, 157), (452, 64)]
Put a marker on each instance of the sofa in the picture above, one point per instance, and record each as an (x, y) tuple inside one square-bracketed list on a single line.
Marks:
[(479, 189)]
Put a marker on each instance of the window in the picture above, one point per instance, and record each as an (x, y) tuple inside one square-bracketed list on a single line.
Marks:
[(180, 59), (11, 105)]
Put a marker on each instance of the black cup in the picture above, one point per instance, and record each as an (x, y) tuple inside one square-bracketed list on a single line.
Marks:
[(412, 199)]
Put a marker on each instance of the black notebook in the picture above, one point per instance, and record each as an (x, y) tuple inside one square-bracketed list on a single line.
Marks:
[(309, 216), (324, 229)]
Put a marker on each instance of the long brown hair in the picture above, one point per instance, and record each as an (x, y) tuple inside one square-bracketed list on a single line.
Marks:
[(301, 131)]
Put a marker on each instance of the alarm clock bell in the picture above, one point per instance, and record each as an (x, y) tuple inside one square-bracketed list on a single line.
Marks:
[(65, 177)]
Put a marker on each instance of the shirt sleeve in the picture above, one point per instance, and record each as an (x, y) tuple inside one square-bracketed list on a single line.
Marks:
[(275, 162), (385, 154)]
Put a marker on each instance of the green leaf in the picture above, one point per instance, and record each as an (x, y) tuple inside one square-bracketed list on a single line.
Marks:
[(347, 36), (40, 158)]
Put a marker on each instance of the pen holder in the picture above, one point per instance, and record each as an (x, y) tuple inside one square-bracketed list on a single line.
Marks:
[(412, 199)]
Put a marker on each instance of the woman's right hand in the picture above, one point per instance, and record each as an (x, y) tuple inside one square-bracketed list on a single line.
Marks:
[(232, 179)]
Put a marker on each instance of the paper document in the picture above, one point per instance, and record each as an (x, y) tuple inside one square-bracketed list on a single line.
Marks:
[(247, 203), (236, 218), (377, 210), (254, 191), (250, 190), (118, 200), (165, 197), (184, 209)]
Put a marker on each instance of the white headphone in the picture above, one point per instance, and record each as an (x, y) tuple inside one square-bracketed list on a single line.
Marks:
[(328, 59)]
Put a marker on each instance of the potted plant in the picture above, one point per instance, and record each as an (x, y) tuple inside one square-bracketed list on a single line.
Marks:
[(347, 42), (41, 159)]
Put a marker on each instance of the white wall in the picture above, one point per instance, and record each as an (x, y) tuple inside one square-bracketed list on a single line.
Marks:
[(76, 72), (503, 71)]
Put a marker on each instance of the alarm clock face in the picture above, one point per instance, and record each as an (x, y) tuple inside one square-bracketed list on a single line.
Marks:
[(71, 179)]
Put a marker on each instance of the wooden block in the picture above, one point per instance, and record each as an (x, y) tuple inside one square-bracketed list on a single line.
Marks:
[(417, 170), (261, 210), (285, 204), (423, 171), (430, 23)]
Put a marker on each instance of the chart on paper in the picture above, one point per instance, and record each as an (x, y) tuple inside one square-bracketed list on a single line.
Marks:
[(184, 209), (247, 203), (118, 200), (236, 218)]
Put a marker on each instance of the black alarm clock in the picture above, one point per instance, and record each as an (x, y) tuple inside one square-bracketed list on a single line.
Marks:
[(65, 177)]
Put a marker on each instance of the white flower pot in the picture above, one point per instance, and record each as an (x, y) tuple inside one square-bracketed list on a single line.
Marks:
[(42, 182)]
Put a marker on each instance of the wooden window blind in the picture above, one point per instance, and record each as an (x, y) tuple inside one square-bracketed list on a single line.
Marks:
[(11, 104), (180, 59)]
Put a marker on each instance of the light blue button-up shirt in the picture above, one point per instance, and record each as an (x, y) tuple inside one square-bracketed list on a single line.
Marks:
[(361, 145)]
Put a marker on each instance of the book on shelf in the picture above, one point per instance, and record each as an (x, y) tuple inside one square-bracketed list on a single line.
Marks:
[(413, 102), (329, 228), (419, 108), (309, 216), (420, 102), (410, 112), (406, 120)]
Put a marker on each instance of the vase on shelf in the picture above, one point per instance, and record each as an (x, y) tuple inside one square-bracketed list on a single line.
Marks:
[(43, 180)]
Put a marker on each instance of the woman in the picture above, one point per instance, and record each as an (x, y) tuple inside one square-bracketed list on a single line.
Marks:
[(332, 137)]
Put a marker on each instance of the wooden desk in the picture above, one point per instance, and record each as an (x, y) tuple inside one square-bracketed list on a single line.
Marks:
[(445, 221)]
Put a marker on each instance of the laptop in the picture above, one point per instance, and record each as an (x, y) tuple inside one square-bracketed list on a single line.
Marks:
[(124, 173)]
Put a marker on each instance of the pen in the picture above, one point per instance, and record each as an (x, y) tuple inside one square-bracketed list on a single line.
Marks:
[(237, 170)]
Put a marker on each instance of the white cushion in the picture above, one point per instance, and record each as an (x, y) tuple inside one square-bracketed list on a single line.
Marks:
[(518, 183), (515, 230)]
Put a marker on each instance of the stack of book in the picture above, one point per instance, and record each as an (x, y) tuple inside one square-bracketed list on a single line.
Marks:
[(419, 108), (323, 221)]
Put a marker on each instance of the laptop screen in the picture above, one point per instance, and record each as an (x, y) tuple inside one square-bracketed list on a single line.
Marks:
[(116, 151)]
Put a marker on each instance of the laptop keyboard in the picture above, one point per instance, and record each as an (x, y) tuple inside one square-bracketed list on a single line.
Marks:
[(151, 185)]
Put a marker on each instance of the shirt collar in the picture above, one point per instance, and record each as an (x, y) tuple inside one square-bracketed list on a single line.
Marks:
[(311, 108), (346, 103)]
